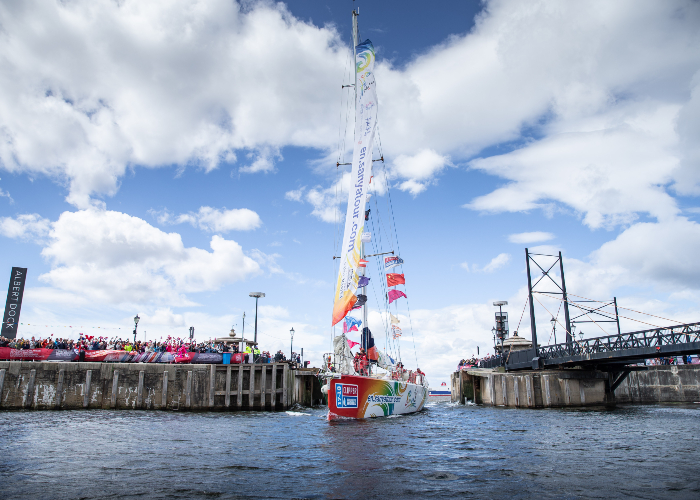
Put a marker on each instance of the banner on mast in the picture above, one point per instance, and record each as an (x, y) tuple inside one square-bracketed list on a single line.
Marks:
[(365, 126)]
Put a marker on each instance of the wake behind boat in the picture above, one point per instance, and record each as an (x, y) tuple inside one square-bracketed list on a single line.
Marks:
[(368, 383)]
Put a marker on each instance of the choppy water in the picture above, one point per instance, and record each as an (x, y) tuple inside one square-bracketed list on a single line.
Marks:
[(446, 451)]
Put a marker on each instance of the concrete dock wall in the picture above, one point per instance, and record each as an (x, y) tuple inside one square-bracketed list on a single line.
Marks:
[(662, 384), (46, 385), (561, 388)]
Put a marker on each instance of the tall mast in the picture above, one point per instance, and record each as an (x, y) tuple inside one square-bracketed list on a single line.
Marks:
[(355, 41)]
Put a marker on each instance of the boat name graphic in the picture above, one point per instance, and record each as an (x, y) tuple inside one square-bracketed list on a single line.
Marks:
[(383, 399)]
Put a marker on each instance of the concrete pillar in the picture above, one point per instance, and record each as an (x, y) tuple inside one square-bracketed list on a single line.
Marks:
[(285, 378), (139, 390), (273, 390), (262, 386), (251, 389), (567, 391), (115, 381), (504, 388), (548, 395), (188, 393), (516, 391), (212, 383), (2, 383), (492, 389), (59, 388), (164, 394), (528, 388), (227, 400), (86, 389), (30, 389), (582, 392), (239, 393)]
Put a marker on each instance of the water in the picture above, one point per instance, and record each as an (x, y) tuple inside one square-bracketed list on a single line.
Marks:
[(446, 451)]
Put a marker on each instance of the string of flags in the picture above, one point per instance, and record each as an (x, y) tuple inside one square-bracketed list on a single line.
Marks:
[(71, 326), (396, 331)]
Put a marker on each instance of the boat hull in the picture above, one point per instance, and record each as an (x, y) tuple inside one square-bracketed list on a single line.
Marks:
[(352, 396)]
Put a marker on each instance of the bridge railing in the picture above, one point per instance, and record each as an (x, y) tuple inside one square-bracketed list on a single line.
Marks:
[(679, 334)]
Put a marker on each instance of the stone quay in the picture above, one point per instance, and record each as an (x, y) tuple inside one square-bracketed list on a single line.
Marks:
[(144, 386)]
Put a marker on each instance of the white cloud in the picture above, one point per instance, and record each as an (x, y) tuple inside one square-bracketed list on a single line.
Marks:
[(531, 237), (113, 258), (264, 162), (221, 221), (497, 262), (641, 254), (25, 226), (419, 170), (295, 194), (87, 90), (91, 87), (607, 175), (213, 219)]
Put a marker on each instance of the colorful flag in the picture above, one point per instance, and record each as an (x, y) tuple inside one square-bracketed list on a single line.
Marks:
[(363, 281), (368, 344), (366, 237), (394, 319), (365, 127), (393, 261), (363, 263), (395, 294), (393, 279), (350, 322), (352, 344), (361, 300)]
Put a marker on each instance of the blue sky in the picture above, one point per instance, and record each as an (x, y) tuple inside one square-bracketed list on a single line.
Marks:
[(167, 158)]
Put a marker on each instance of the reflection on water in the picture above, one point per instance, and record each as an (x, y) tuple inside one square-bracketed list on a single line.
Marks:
[(446, 451)]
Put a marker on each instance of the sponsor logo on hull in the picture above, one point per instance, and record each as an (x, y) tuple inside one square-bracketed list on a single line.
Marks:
[(346, 396)]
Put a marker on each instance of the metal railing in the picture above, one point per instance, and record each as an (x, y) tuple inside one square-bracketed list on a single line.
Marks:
[(657, 337)]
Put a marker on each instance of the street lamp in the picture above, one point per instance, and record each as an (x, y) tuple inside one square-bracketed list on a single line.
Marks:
[(554, 328), (257, 295), (291, 345), (136, 325), (243, 334)]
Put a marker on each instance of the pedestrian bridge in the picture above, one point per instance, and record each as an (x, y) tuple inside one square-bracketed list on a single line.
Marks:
[(606, 352)]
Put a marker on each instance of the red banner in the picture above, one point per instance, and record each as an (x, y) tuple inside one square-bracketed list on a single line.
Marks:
[(37, 354)]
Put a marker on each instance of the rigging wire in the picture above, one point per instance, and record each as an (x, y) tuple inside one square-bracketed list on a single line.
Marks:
[(398, 249)]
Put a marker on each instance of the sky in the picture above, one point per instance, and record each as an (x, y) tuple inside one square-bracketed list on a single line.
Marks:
[(167, 158)]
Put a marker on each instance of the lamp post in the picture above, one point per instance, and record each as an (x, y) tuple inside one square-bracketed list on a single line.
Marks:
[(554, 328), (291, 345), (243, 333), (136, 325), (257, 295)]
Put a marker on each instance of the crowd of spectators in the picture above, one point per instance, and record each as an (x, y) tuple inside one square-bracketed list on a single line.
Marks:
[(175, 345)]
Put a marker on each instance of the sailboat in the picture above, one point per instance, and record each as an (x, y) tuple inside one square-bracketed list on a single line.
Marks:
[(369, 383)]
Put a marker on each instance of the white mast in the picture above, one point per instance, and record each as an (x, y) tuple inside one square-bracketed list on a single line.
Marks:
[(355, 41)]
